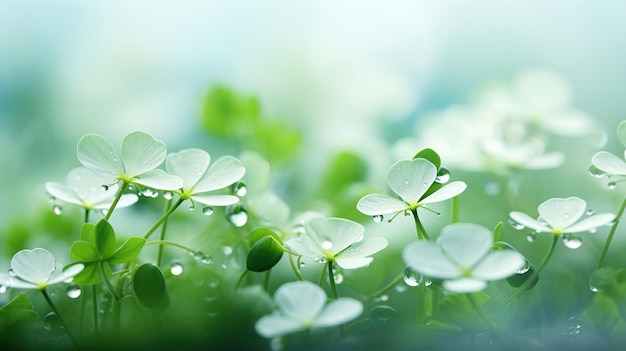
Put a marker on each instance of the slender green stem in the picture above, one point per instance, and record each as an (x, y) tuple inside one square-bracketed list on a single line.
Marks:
[(86, 215), (241, 279), (266, 280), (106, 281), (421, 231), (296, 269), (421, 303), (533, 276), (323, 275), (331, 279), (94, 298), (170, 243), (455, 209), (168, 206), (385, 288), (118, 196), (163, 219), (609, 238), (56, 312)]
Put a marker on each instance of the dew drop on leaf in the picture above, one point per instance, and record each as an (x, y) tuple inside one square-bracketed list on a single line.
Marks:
[(611, 185), (524, 268), (239, 189), (176, 268), (57, 210), (531, 237), (516, 225), (590, 212), (338, 278), (105, 187), (52, 323), (383, 314), (596, 172), (411, 277), (237, 215), (327, 245), (168, 195), (443, 175), (207, 211), (302, 264), (3, 289), (73, 291), (378, 218)]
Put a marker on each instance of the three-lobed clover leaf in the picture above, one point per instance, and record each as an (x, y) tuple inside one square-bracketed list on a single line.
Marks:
[(336, 239), (562, 216), (463, 257), (97, 247), (36, 269), (141, 154), (411, 180), (200, 177), (302, 306), (84, 188)]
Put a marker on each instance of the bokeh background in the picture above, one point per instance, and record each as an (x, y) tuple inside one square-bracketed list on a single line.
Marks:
[(337, 76)]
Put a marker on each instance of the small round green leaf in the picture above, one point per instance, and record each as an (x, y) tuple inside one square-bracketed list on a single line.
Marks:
[(149, 285), (516, 280), (430, 155)]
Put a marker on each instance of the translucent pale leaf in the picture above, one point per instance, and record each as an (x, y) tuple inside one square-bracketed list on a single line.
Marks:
[(99, 156), (70, 272), (61, 192), (465, 243), (304, 248), (561, 213), (88, 186), (158, 179), (189, 164), (448, 191), (428, 259), (34, 265), (222, 173), (340, 232), (364, 248), (216, 200), (338, 312), (142, 153), (10, 281), (301, 300), (609, 163), (529, 222), (499, 265), (464, 285), (353, 262), (591, 222), (274, 325), (410, 179), (380, 204)]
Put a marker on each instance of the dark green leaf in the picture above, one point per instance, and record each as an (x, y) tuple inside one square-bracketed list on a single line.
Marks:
[(149, 285), (103, 238), (128, 251), (430, 155), (516, 280), (90, 275), (18, 310), (261, 232), (602, 313), (227, 114), (84, 251)]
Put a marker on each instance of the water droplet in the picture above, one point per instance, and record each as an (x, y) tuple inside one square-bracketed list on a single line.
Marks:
[(592, 230), (57, 210), (202, 257), (237, 215), (611, 185), (574, 326), (12, 273), (378, 218), (593, 289), (565, 215), (400, 288), (168, 195), (531, 237), (3, 289), (151, 193), (176, 268), (515, 224), (382, 298), (572, 241), (239, 189), (73, 291), (590, 212), (192, 206), (327, 245), (524, 268), (302, 264), (338, 278), (443, 175), (131, 187), (596, 172), (321, 260), (383, 314), (227, 250), (105, 187), (52, 322), (411, 277), (207, 211)]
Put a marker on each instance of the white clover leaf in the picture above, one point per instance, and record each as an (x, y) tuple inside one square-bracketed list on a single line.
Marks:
[(84, 188), (36, 269), (141, 154), (410, 180), (463, 257), (301, 306), (338, 240), (199, 176), (562, 216), (609, 163)]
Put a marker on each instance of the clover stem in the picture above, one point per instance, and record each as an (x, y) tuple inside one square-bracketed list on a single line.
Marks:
[(94, 298), (168, 205), (170, 243), (86, 215), (421, 231), (533, 276), (323, 275), (295, 268), (163, 218), (331, 279), (266, 279), (421, 303), (385, 288), (56, 312), (106, 282), (118, 196), (455, 209), (609, 238), (243, 275)]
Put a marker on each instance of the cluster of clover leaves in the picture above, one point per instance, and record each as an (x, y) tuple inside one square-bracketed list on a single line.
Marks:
[(450, 270)]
